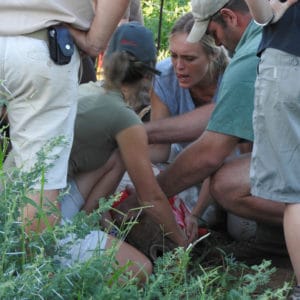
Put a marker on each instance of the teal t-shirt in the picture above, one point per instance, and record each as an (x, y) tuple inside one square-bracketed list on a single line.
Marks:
[(100, 117), (235, 102)]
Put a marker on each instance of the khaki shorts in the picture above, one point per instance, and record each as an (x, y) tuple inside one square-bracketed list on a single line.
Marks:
[(41, 104), (275, 165)]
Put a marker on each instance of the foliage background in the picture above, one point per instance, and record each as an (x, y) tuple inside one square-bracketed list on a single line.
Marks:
[(172, 10)]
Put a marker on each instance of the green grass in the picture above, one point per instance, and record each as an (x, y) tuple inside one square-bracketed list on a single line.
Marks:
[(29, 268)]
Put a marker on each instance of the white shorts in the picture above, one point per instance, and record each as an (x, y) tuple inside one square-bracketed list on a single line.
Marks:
[(71, 202), (80, 250)]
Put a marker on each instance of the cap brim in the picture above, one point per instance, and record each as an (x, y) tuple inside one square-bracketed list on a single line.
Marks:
[(153, 70), (198, 30)]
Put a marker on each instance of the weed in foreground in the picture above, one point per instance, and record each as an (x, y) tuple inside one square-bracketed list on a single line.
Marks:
[(29, 268)]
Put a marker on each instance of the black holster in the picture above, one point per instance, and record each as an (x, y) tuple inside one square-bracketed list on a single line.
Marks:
[(61, 44)]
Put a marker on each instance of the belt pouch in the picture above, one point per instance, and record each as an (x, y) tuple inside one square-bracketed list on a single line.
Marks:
[(61, 44)]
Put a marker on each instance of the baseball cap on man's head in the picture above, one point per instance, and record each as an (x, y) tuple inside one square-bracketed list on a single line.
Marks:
[(137, 40), (202, 11)]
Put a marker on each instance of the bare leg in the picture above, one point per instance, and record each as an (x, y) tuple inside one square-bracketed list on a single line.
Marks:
[(230, 187), (141, 267), (292, 236), (101, 182), (82, 249), (38, 224)]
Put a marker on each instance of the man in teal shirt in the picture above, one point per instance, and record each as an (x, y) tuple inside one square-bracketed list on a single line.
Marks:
[(231, 25), (233, 113)]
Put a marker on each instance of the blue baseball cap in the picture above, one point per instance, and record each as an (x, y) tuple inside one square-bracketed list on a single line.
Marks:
[(137, 40)]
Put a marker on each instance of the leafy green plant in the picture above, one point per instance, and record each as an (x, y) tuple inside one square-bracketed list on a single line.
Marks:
[(29, 268)]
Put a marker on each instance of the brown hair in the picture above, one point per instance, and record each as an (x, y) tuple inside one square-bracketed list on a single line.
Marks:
[(122, 69), (234, 5)]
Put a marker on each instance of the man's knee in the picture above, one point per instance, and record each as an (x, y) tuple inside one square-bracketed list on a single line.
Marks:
[(219, 189), (231, 183)]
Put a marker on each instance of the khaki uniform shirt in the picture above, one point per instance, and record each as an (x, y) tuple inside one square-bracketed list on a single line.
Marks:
[(25, 16)]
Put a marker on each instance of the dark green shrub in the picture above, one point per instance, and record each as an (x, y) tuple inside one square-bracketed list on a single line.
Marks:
[(172, 10)]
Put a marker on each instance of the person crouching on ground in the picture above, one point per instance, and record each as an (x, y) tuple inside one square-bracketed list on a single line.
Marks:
[(109, 136)]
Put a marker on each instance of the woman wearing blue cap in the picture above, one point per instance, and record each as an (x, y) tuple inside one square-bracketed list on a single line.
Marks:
[(110, 137)]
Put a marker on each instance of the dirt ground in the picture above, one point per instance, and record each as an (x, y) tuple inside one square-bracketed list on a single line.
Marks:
[(220, 240)]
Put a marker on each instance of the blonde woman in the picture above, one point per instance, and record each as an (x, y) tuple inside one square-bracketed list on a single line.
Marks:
[(187, 88)]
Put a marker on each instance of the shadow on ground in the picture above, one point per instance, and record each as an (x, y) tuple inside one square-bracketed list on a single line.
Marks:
[(211, 251)]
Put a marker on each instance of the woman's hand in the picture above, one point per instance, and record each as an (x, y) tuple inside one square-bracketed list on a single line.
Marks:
[(106, 220), (191, 222)]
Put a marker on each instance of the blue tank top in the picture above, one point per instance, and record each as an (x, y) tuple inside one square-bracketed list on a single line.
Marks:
[(166, 86)]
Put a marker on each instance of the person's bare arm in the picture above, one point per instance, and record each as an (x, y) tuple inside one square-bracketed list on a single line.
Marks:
[(107, 16), (196, 162), (159, 152), (134, 149), (183, 128), (191, 220), (101, 182), (204, 199), (265, 11)]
